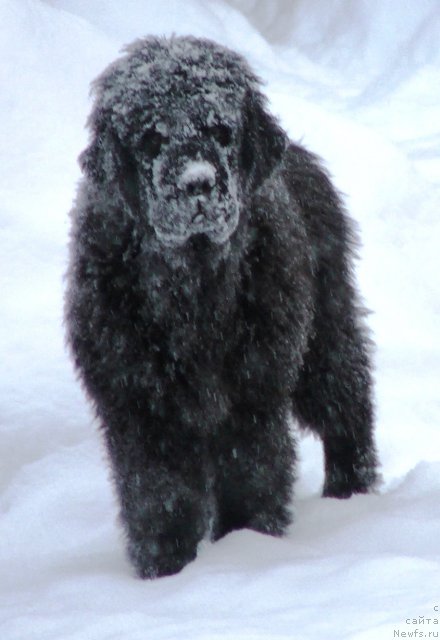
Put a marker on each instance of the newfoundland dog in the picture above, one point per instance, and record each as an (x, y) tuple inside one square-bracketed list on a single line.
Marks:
[(210, 296)]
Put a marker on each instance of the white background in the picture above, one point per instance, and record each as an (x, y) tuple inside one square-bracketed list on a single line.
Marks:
[(357, 81)]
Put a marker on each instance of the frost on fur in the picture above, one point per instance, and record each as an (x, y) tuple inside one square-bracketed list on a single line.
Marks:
[(209, 295)]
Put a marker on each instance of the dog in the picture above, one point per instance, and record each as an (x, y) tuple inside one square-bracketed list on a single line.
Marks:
[(210, 295)]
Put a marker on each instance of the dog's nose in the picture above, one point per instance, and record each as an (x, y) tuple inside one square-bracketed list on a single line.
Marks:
[(197, 178), (199, 187)]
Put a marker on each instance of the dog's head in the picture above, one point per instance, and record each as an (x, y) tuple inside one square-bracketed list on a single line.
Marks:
[(182, 135)]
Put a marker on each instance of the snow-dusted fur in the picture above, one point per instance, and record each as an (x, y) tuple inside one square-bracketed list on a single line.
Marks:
[(210, 294)]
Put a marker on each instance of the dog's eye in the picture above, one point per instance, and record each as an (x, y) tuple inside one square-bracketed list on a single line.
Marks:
[(221, 132), (151, 143)]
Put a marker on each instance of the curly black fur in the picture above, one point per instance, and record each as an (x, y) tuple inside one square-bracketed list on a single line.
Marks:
[(210, 293)]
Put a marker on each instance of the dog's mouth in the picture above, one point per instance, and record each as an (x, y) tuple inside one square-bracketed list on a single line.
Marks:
[(198, 238), (175, 228), (199, 215)]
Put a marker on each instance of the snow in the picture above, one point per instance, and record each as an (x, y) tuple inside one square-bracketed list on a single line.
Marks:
[(357, 81), (197, 171)]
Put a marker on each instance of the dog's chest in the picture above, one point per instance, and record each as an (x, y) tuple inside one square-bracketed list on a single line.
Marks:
[(195, 314)]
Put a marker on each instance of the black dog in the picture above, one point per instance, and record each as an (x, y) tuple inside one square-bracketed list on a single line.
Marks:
[(210, 293)]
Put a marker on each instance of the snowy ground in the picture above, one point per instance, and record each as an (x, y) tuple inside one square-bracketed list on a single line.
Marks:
[(358, 81)]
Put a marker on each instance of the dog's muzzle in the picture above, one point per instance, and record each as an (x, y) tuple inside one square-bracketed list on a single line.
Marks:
[(198, 207), (197, 179), (198, 189)]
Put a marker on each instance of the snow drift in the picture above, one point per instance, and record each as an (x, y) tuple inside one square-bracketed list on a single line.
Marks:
[(355, 81)]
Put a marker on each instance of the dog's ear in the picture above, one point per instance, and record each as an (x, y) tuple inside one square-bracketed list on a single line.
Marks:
[(263, 140), (90, 160), (99, 160), (109, 164)]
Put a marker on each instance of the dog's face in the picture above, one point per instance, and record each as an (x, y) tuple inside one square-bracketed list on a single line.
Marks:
[(188, 167), (180, 129)]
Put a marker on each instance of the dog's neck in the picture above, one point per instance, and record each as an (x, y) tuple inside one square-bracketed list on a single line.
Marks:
[(196, 278)]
